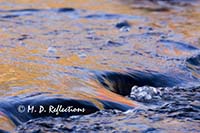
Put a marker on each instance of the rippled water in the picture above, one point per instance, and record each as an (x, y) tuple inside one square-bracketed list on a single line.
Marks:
[(90, 54)]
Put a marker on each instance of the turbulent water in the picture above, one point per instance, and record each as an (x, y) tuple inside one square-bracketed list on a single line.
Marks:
[(104, 65)]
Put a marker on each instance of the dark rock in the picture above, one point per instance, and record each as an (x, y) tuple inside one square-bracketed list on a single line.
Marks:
[(66, 9), (122, 24)]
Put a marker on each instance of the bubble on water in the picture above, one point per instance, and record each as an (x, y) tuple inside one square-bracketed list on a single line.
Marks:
[(148, 97), (51, 50), (125, 29), (144, 93), (82, 55), (22, 43)]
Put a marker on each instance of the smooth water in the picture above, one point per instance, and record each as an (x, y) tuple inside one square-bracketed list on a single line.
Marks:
[(89, 54)]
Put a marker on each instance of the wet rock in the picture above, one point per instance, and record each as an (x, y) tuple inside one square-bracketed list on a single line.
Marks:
[(23, 37), (51, 57), (113, 44), (66, 9), (150, 29), (159, 9), (123, 26)]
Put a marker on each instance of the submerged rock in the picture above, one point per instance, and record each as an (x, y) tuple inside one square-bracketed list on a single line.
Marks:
[(123, 26)]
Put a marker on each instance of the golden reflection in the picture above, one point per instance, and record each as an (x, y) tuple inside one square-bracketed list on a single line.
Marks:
[(24, 70), (97, 5), (5, 123)]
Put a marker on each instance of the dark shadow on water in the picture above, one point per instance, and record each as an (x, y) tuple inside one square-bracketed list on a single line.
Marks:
[(121, 83), (179, 45), (32, 108), (195, 60)]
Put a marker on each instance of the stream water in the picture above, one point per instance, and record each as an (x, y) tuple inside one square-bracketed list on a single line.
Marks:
[(131, 66)]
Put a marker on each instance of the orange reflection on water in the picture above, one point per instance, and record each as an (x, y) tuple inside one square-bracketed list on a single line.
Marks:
[(6, 124), (29, 69)]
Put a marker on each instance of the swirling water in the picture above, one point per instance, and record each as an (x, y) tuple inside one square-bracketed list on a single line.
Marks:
[(99, 55)]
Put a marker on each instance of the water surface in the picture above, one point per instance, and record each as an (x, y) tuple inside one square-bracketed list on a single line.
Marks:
[(90, 54)]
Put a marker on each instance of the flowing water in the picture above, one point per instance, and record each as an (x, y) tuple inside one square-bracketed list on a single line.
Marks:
[(131, 66)]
